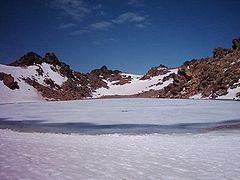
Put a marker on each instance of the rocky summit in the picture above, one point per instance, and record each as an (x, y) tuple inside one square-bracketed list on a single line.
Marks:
[(33, 77)]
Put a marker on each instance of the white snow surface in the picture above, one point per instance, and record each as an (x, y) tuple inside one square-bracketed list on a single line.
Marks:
[(196, 96), (27, 93), (135, 86), (36, 156), (232, 93), (212, 155)]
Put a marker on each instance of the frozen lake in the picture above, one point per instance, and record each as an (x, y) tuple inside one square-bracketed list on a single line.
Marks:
[(126, 116)]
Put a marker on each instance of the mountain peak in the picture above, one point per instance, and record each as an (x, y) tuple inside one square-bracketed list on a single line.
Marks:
[(28, 59), (50, 58), (104, 71)]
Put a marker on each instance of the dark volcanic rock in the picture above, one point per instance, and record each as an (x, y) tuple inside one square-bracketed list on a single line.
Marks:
[(51, 83), (67, 92), (123, 80), (210, 77), (32, 58), (97, 76), (8, 81), (220, 52), (51, 58), (155, 71), (64, 69), (28, 59), (105, 72), (236, 44)]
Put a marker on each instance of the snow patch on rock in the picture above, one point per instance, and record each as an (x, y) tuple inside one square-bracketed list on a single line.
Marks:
[(27, 93), (136, 85)]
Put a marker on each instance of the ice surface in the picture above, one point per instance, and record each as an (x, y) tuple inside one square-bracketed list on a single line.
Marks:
[(124, 111), (212, 156)]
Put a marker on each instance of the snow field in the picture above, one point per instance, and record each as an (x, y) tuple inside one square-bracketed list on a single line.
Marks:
[(212, 155), (55, 156)]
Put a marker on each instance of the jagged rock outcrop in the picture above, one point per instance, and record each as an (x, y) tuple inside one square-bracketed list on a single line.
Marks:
[(104, 72), (64, 69), (76, 86), (8, 81), (211, 77), (66, 92), (28, 59), (236, 44), (32, 58), (221, 52), (155, 71)]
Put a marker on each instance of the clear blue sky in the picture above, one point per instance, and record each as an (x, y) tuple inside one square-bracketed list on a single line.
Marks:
[(129, 35)]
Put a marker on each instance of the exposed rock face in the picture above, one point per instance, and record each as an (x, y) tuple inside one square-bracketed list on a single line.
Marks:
[(98, 75), (221, 52), (105, 72), (236, 44), (8, 80), (155, 71), (66, 92), (32, 58), (28, 59), (64, 69), (51, 58), (121, 80), (211, 77)]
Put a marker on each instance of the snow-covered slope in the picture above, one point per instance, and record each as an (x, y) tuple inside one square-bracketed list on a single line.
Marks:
[(135, 86), (231, 94), (27, 93)]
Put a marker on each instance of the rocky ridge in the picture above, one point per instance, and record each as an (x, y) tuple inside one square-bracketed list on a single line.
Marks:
[(211, 77), (77, 85)]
